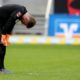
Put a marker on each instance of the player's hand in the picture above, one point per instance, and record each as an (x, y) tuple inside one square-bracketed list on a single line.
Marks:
[(5, 40)]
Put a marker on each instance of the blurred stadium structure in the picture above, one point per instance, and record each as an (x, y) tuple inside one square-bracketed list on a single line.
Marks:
[(35, 7), (56, 23)]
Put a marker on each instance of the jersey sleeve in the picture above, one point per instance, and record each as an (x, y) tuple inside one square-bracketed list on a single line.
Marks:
[(7, 28)]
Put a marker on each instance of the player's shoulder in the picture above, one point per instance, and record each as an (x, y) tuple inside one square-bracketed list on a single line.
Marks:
[(12, 6)]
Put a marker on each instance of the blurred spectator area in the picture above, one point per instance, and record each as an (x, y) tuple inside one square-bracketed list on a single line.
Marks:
[(35, 7)]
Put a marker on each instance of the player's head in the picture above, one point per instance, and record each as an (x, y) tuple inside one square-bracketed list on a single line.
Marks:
[(28, 20)]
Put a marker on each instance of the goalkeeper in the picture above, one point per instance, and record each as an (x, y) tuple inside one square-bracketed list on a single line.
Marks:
[(8, 16)]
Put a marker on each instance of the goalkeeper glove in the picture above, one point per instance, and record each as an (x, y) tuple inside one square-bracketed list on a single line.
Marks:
[(5, 39)]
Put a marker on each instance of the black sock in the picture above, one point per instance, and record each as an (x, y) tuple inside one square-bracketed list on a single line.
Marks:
[(2, 55)]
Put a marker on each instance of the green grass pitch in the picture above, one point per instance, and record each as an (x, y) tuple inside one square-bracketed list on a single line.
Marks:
[(42, 62)]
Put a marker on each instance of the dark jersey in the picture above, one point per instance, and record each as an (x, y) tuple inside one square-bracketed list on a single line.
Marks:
[(8, 16)]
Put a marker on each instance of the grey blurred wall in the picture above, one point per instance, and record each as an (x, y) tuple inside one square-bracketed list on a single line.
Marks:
[(1, 2)]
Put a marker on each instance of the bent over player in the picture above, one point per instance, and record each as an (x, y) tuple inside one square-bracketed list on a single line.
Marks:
[(8, 16)]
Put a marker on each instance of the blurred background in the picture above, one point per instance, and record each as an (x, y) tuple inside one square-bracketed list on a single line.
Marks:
[(56, 22)]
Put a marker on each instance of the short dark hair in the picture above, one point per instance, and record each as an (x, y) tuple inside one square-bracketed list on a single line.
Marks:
[(31, 22)]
